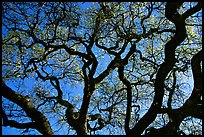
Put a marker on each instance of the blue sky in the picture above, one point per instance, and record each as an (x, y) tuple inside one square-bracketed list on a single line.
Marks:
[(29, 83)]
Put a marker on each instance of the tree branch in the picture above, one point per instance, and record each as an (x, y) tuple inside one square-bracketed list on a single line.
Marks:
[(192, 106), (193, 10), (42, 123), (13, 123), (129, 97), (173, 15)]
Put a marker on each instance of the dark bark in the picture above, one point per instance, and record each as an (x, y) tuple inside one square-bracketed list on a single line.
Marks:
[(79, 120), (176, 116), (165, 68), (41, 123), (129, 98), (13, 123), (192, 107)]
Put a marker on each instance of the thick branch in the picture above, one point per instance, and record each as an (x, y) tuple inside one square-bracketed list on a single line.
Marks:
[(42, 123), (192, 107), (129, 97), (197, 75), (173, 15), (193, 10)]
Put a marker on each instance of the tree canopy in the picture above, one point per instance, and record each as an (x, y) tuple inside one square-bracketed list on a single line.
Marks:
[(131, 68)]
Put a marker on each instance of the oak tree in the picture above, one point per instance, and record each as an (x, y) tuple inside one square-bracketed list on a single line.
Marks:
[(102, 68)]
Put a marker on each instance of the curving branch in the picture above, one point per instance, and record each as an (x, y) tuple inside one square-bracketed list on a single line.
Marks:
[(173, 15), (195, 98), (100, 122), (58, 15), (41, 123), (13, 123), (192, 106)]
